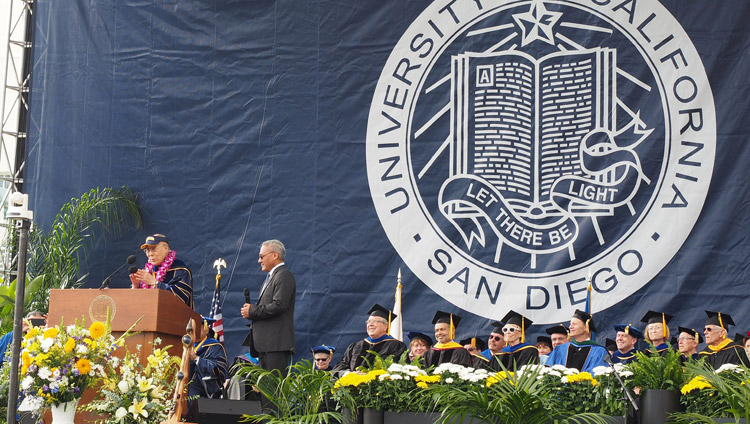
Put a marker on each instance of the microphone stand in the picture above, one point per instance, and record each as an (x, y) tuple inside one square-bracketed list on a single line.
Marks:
[(628, 398)]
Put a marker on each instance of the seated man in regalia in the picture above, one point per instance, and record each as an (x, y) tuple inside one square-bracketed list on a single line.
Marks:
[(446, 350), (208, 364), (580, 352)]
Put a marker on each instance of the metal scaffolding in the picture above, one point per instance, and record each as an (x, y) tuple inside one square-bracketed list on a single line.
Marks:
[(14, 115)]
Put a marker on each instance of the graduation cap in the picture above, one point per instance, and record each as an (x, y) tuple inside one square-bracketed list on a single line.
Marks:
[(476, 342), (739, 338), (587, 319), (382, 312), (207, 321), (557, 329), (717, 318), (544, 339), (323, 349), (653, 317), (630, 330), (420, 336), (452, 320), (497, 327), (610, 344), (693, 332), (514, 318)]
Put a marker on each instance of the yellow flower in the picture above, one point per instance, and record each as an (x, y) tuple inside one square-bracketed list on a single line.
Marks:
[(40, 359), (428, 378), (51, 333), (138, 408), (32, 333), (69, 345), (582, 376), (499, 376), (97, 330), (697, 383), (144, 384), (422, 385), (83, 365)]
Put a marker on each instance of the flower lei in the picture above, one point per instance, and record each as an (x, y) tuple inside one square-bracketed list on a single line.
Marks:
[(162, 271)]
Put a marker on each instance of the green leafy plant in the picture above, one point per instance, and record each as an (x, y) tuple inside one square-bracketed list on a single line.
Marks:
[(523, 397), (300, 397), (56, 255), (656, 372), (729, 386)]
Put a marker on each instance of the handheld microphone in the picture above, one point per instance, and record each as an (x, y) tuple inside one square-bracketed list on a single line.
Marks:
[(247, 295), (105, 283)]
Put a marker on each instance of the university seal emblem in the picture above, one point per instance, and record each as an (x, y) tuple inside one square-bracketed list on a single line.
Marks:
[(518, 150)]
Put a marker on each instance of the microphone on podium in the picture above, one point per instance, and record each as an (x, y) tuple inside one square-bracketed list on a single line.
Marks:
[(105, 283), (247, 295)]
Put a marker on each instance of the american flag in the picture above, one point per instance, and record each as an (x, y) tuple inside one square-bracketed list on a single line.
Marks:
[(217, 326)]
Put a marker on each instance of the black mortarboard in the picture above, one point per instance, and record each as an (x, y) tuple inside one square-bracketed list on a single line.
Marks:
[(474, 341), (739, 338), (653, 317), (720, 319), (544, 339), (514, 318), (610, 344), (629, 329), (693, 333), (558, 329), (324, 349), (421, 336), (381, 312), (446, 318), (587, 319), (497, 327)]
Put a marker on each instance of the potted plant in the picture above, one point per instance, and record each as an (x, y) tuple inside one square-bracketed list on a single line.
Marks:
[(659, 379), (724, 392)]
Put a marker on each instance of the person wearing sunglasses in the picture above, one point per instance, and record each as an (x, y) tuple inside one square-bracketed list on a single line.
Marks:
[(517, 352), (580, 352), (446, 350), (322, 356), (496, 342), (721, 349)]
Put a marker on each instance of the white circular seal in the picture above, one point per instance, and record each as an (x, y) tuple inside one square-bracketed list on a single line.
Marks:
[(522, 154)]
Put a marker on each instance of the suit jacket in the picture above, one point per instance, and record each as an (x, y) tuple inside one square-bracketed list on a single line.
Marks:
[(273, 315)]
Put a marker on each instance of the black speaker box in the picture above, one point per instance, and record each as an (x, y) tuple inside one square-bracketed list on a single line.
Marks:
[(221, 411)]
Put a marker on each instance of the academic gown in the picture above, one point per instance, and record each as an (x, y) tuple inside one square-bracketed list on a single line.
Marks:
[(179, 280), (357, 354), (624, 358), (693, 357), (450, 352), (583, 356), (662, 349), (5, 342), (519, 355), (208, 375), (491, 362), (727, 352)]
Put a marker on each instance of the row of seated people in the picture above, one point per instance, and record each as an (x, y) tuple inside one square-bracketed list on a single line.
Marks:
[(507, 346)]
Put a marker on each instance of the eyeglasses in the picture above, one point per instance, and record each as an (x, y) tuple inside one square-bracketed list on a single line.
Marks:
[(376, 321), (321, 359), (496, 338), (263, 256), (709, 329), (510, 329)]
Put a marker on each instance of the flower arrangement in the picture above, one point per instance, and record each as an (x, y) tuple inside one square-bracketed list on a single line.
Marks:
[(59, 363), (135, 393)]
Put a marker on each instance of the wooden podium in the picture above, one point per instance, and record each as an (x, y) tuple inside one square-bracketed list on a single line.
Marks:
[(161, 313)]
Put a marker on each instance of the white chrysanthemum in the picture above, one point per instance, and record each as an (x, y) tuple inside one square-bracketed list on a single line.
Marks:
[(396, 377), (383, 377), (82, 349), (27, 382), (559, 367), (564, 379), (570, 371), (602, 370), (728, 367), (395, 368), (44, 373), (555, 373), (46, 344), (449, 380), (625, 373)]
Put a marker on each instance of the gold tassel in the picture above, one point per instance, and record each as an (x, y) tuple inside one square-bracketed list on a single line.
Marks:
[(389, 322), (474, 342), (523, 330), (627, 329), (664, 327), (697, 337), (451, 330)]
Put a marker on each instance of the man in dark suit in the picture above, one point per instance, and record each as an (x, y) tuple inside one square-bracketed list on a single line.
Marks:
[(272, 330)]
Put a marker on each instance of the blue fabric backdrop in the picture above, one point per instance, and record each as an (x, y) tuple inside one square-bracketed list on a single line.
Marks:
[(240, 121)]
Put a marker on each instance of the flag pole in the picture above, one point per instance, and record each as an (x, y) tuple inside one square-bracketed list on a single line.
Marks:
[(396, 325)]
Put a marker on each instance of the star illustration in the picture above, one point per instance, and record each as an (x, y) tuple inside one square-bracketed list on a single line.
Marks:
[(537, 24)]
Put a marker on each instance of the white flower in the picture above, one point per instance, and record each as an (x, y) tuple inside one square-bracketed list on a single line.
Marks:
[(395, 368), (395, 377), (120, 413), (449, 380), (728, 367), (602, 370), (625, 373), (46, 344), (157, 341), (559, 367), (27, 382), (554, 373), (124, 386), (44, 373), (564, 379), (82, 349), (570, 371)]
